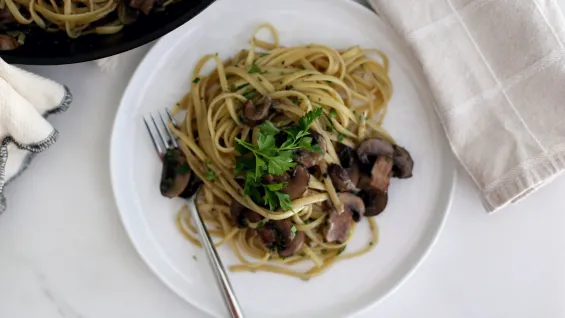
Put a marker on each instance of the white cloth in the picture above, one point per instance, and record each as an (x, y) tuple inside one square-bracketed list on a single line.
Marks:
[(25, 100), (497, 71)]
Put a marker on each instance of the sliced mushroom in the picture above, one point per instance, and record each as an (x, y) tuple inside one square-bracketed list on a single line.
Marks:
[(295, 246), (353, 204), (340, 178), (256, 112), (349, 162), (127, 14), (175, 174), (192, 187), (271, 178), (375, 201), (7, 43), (144, 5), (381, 172), (337, 226), (238, 212), (268, 235), (309, 158), (6, 17), (403, 163), (276, 234), (297, 182), (373, 147), (284, 233)]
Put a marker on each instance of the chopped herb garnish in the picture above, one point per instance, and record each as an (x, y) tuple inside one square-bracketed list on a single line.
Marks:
[(341, 250), (254, 69), (268, 158), (282, 73), (260, 79), (294, 100), (183, 169), (289, 87), (194, 257), (332, 113), (293, 232), (371, 243), (260, 224), (324, 251), (250, 94), (210, 174), (196, 80), (264, 54), (340, 137)]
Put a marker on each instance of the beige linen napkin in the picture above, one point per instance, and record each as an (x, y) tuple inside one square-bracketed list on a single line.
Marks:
[(497, 71)]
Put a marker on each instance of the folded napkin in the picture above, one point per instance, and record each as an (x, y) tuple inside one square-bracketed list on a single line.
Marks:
[(25, 100), (497, 71)]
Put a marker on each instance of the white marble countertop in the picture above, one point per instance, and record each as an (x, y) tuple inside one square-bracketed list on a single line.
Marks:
[(64, 252)]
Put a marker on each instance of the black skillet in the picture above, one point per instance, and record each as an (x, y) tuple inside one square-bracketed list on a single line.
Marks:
[(41, 47)]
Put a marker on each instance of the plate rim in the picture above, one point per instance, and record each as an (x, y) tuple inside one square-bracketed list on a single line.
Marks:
[(451, 171)]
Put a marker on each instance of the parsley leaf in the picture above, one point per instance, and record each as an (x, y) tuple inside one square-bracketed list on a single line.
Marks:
[(276, 186), (284, 201), (293, 232), (250, 94), (332, 114), (268, 127), (279, 165), (266, 157), (210, 174), (340, 137), (196, 80), (309, 118), (254, 69)]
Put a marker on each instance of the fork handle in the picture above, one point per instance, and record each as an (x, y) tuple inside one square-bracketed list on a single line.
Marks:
[(217, 266)]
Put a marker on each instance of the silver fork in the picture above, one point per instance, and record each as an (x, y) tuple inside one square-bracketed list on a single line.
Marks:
[(163, 141)]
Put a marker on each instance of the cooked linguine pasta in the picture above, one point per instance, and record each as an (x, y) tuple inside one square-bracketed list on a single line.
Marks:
[(346, 92)]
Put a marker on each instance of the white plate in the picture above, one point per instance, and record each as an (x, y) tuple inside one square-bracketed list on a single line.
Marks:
[(416, 209)]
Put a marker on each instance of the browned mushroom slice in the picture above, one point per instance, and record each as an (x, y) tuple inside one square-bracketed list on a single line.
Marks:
[(268, 235), (238, 212), (353, 204), (284, 233), (349, 162), (255, 113), (403, 163), (309, 158), (380, 173), (7, 43), (144, 5), (375, 201), (373, 147), (295, 246), (126, 14), (297, 183), (6, 17), (192, 187), (175, 174), (337, 226), (340, 178)]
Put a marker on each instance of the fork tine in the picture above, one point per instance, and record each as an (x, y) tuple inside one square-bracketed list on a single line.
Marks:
[(171, 118), (168, 130), (160, 133), (153, 139)]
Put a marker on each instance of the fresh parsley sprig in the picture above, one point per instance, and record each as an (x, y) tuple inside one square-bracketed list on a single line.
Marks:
[(267, 157)]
